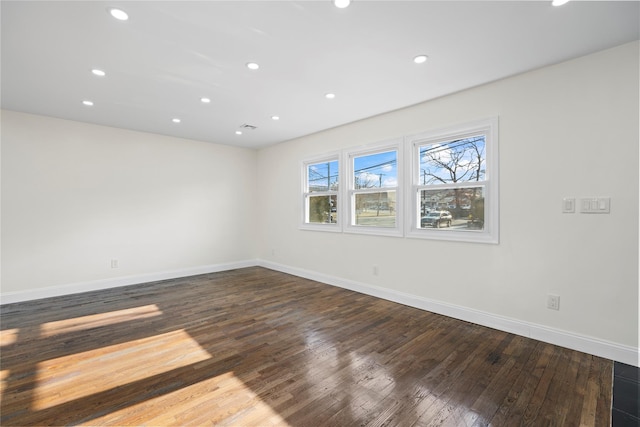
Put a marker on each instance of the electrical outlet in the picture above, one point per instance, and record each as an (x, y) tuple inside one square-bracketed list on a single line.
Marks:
[(114, 263), (553, 302), (375, 270)]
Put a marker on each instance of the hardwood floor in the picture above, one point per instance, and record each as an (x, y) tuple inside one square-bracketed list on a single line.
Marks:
[(259, 347)]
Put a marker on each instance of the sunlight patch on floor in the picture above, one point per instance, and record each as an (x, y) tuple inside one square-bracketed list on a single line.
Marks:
[(221, 400), (98, 320), (65, 379), (8, 337), (4, 374)]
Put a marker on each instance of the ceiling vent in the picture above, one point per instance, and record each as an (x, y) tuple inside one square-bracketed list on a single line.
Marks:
[(248, 127)]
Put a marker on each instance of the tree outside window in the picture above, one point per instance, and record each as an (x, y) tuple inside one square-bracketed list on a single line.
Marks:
[(443, 166), (454, 186)]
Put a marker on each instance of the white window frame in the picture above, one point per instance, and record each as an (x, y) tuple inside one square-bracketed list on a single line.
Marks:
[(331, 227), (491, 229), (350, 191)]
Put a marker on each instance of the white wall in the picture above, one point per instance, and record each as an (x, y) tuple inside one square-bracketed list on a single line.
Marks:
[(569, 130), (75, 196)]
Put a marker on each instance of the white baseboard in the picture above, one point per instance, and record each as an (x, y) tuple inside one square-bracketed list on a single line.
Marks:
[(597, 347), (94, 285)]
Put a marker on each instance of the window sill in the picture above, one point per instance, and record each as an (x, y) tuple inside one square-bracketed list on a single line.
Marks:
[(469, 236), (331, 228)]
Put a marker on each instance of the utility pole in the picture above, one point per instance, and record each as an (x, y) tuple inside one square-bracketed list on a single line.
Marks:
[(380, 175), (328, 176)]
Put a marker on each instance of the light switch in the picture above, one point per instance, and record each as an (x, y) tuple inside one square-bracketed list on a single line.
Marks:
[(597, 205), (604, 205), (568, 205)]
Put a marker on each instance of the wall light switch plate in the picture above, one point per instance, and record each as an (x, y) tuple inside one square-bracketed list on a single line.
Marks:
[(604, 205), (568, 205), (595, 205)]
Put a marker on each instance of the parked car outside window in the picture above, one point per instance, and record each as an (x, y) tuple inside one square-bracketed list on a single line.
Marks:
[(436, 219)]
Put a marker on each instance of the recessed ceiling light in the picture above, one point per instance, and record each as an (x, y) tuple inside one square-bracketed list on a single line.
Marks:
[(205, 100), (238, 132), (275, 117), (88, 103), (341, 4), (330, 95), (119, 14), (98, 72), (252, 66), (559, 2), (176, 120), (420, 59)]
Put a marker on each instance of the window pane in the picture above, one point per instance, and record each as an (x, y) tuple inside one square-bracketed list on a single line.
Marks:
[(455, 209), (460, 160), (376, 209), (378, 170), (323, 176), (323, 209)]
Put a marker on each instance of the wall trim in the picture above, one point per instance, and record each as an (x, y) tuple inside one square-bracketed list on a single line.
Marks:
[(94, 285), (606, 349)]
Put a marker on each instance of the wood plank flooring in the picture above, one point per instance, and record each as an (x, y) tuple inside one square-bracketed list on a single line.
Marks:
[(255, 347)]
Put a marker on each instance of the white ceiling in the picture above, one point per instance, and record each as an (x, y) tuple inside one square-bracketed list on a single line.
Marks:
[(168, 55)]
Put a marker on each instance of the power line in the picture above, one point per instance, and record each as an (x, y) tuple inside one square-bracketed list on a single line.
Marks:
[(390, 162), (451, 145)]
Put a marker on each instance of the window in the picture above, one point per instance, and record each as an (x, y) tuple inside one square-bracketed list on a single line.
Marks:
[(321, 184), (451, 187), (374, 190), (455, 184)]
